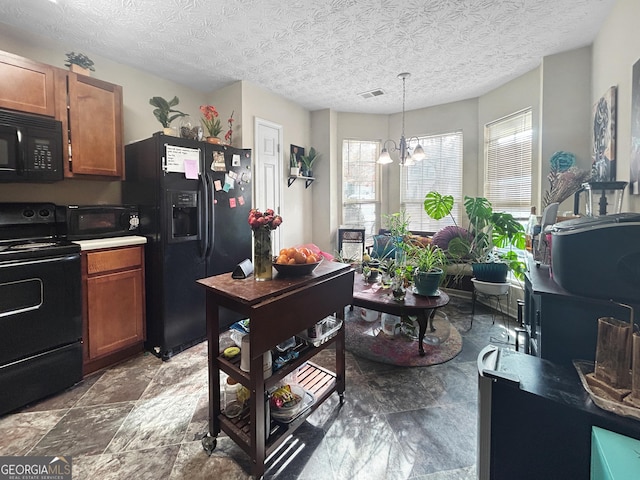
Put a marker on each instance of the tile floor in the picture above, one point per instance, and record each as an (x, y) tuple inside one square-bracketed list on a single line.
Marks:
[(144, 419)]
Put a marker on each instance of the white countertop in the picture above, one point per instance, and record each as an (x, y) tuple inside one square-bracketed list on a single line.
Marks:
[(110, 242)]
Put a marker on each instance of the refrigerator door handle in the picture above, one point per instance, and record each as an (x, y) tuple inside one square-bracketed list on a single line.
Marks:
[(203, 228), (211, 217)]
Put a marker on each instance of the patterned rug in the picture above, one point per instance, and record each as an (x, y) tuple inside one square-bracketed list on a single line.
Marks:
[(367, 340)]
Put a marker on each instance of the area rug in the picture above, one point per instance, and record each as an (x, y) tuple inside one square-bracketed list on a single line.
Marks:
[(367, 340)]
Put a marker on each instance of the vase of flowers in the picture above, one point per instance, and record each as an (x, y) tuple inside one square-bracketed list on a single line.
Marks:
[(262, 224), (211, 122)]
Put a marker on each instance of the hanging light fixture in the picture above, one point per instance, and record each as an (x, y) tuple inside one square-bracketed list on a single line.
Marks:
[(406, 157)]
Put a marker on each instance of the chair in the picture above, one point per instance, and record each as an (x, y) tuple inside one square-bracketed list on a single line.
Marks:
[(549, 216)]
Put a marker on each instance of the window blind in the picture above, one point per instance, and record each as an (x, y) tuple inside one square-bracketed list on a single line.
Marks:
[(507, 180), (360, 185), (440, 171)]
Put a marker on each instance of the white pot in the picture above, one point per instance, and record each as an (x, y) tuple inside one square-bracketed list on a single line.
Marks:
[(490, 288), (294, 171)]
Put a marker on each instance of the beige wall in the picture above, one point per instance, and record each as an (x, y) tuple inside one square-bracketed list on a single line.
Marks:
[(297, 202), (565, 114), (615, 50)]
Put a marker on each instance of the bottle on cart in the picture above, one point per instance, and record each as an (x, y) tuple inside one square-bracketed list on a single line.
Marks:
[(232, 405)]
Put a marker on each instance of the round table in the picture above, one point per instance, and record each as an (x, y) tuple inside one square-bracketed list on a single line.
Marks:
[(375, 297)]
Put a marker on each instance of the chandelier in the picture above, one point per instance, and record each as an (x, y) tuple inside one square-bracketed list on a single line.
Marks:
[(407, 157)]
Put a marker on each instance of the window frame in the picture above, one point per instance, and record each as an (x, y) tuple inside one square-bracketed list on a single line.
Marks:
[(456, 190)]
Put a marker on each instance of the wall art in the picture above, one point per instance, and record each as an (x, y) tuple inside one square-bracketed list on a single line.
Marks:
[(603, 155), (634, 177)]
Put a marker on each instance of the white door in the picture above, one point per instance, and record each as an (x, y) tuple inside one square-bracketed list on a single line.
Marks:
[(268, 170)]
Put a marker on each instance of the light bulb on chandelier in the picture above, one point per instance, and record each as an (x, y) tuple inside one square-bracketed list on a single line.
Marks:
[(407, 158)]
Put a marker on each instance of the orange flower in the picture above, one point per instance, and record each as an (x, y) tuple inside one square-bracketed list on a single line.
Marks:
[(210, 120)]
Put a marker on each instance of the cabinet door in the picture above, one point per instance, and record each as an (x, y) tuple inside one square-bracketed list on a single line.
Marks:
[(27, 86), (115, 311), (95, 127)]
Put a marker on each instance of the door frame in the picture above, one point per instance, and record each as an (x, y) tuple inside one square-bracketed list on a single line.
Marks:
[(258, 122)]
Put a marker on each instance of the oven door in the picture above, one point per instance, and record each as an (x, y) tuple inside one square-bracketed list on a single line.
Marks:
[(40, 305), (11, 156)]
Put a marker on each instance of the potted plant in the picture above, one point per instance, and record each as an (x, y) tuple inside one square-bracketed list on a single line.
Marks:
[(79, 63), (164, 110), (211, 123), (308, 161), (294, 169), (478, 243), (428, 262)]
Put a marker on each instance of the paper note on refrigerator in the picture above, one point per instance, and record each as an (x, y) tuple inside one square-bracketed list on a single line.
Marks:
[(175, 158), (191, 168), (235, 160)]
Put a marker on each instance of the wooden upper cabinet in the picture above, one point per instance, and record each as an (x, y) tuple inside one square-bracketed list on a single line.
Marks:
[(26, 86), (91, 115)]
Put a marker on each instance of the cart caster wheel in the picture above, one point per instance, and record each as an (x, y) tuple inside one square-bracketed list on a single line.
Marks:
[(209, 443), (341, 396)]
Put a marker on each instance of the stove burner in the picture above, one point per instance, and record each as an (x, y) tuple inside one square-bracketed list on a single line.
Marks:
[(25, 246)]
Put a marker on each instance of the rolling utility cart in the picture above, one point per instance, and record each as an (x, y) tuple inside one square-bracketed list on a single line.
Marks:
[(278, 309)]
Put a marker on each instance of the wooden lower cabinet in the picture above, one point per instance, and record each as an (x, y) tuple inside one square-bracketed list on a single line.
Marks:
[(114, 306)]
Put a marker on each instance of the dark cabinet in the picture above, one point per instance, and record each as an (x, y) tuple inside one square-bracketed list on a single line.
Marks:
[(562, 326)]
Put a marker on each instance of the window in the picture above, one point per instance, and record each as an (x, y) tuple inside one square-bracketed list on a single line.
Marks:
[(441, 170), (507, 179), (360, 185)]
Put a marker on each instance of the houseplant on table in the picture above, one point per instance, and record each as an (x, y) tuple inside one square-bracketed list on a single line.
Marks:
[(164, 111), (478, 244), (428, 262)]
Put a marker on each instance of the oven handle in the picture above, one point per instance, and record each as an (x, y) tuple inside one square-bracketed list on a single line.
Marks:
[(37, 261), (25, 309)]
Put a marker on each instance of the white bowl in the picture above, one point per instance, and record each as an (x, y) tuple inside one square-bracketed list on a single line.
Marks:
[(369, 315), (490, 288)]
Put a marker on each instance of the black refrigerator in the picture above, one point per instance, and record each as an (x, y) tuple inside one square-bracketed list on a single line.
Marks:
[(194, 200)]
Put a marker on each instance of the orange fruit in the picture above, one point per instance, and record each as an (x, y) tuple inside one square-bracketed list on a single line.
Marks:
[(283, 251), (283, 259), (312, 259), (292, 261), (291, 252), (306, 251), (300, 257)]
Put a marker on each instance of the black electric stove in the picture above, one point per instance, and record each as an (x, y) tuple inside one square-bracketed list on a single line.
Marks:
[(40, 305)]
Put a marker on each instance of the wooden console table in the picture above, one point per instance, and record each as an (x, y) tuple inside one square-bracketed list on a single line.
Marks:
[(376, 298), (278, 309)]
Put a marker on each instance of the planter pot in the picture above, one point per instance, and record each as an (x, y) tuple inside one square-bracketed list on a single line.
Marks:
[(294, 171), (491, 272), (214, 140), (169, 131), (490, 288), (426, 283), (78, 69)]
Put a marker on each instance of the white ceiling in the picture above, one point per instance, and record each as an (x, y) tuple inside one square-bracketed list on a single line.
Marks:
[(322, 53)]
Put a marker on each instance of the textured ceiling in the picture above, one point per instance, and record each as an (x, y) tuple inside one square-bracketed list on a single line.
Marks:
[(322, 53)]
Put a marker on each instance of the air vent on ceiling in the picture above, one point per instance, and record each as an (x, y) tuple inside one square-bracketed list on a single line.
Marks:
[(372, 93)]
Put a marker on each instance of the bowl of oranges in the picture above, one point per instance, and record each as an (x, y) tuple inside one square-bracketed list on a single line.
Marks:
[(295, 262)]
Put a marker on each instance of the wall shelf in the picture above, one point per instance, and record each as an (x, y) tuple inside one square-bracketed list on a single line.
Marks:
[(307, 180)]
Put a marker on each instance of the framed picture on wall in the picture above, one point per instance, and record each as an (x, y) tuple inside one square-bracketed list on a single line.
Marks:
[(298, 152), (603, 154), (634, 177)]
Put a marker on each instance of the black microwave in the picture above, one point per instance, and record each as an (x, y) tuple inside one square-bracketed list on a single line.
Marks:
[(86, 222), (30, 148)]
